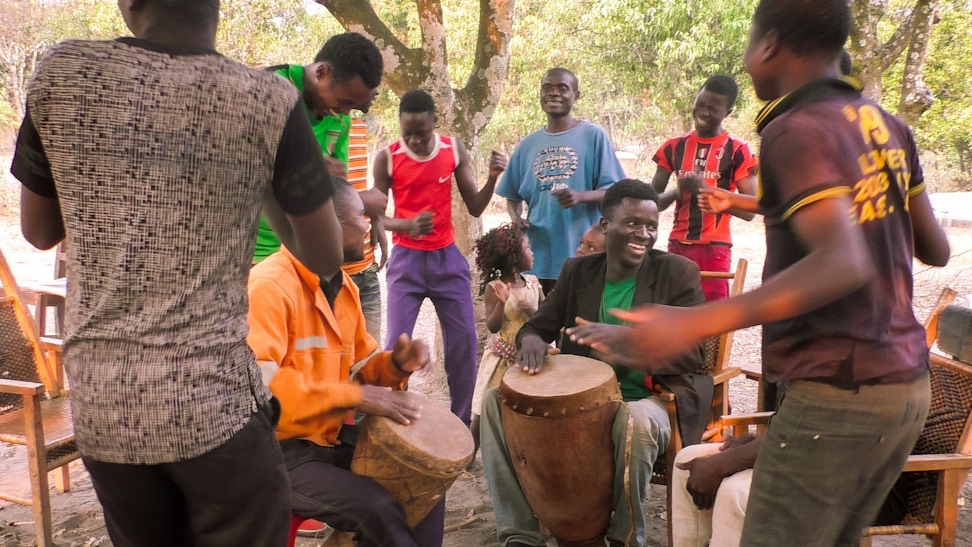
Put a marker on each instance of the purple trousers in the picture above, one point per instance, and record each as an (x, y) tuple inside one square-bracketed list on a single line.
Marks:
[(443, 277)]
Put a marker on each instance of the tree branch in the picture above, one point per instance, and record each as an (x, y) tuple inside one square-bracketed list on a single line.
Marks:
[(486, 78), (916, 98), (405, 68)]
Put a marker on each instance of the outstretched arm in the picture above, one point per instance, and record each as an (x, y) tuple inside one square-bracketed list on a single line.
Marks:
[(716, 200), (747, 189), (836, 264)]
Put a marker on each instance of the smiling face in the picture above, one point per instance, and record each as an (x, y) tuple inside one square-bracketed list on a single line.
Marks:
[(629, 234), (708, 112), (558, 91), (418, 128)]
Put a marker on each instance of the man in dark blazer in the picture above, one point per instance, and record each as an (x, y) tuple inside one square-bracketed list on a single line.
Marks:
[(629, 273)]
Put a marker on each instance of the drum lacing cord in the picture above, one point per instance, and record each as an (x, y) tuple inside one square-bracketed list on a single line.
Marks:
[(627, 474)]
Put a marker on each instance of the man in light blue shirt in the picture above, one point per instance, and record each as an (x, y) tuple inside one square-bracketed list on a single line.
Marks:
[(561, 171)]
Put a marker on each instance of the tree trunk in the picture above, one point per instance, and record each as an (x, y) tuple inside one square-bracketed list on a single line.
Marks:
[(464, 112), (874, 58)]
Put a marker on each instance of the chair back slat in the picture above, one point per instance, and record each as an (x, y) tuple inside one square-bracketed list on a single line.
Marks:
[(718, 348)]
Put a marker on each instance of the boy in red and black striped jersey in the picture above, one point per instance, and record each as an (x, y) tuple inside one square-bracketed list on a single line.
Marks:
[(708, 155)]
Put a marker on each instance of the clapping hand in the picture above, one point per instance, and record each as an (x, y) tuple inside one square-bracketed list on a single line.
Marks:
[(410, 355), (421, 224)]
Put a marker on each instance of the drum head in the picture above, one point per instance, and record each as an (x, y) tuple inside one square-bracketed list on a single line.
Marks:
[(438, 433), (560, 375)]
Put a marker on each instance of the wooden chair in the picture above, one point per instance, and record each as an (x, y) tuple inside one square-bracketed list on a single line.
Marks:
[(766, 399), (717, 353), (34, 410), (50, 294), (942, 457)]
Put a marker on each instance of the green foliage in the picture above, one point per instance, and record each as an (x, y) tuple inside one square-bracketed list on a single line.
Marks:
[(266, 32), (639, 62), (947, 126), (944, 132)]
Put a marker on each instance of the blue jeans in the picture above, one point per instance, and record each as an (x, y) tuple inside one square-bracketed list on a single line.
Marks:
[(829, 460), (369, 293), (443, 277), (514, 517)]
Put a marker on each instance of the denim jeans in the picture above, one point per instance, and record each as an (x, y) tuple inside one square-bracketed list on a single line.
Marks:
[(514, 517), (829, 460), (369, 293)]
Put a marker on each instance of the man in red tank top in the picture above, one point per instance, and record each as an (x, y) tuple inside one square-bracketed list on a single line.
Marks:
[(419, 169)]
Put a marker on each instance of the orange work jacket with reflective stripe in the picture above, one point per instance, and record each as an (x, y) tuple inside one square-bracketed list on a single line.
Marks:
[(314, 358)]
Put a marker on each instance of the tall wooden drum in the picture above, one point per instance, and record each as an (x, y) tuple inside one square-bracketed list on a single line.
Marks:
[(558, 430), (417, 463)]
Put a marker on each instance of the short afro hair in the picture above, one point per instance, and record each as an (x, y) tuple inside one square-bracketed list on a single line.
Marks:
[(344, 197), (626, 188), (351, 54), (724, 85), (416, 101), (561, 70), (806, 26), (846, 65)]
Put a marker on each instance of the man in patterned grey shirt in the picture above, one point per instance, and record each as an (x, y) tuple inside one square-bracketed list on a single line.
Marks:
[(152, 156)]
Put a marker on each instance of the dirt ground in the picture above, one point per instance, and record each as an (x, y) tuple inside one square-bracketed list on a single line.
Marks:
[(77, 515)]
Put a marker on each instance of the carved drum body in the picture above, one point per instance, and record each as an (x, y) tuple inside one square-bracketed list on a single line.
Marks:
[(417, 463), (558, 431)]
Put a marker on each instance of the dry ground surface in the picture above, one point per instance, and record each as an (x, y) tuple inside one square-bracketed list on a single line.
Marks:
[(77, 516)]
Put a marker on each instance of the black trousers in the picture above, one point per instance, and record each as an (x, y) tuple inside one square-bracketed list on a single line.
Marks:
[(326, 490), (237, 494)]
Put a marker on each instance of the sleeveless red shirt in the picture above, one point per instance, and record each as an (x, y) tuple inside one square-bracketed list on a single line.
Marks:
[(424, 183)]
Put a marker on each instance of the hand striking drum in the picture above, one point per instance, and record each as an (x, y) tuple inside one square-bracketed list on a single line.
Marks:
[(417, 463)]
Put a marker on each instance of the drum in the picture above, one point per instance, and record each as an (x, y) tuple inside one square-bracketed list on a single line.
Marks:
[(417, 463), (558, 431)]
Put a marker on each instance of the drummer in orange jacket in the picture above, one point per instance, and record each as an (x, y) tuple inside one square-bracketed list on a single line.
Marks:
[(314, 351)]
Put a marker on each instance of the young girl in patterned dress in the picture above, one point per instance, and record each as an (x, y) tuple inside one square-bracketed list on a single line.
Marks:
[(510, 296)]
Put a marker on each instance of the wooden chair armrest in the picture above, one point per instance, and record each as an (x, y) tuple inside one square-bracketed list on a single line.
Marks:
[(724, 376), (17, 387), (756, 418), (665, 395), (753, 371), (937, 462)]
